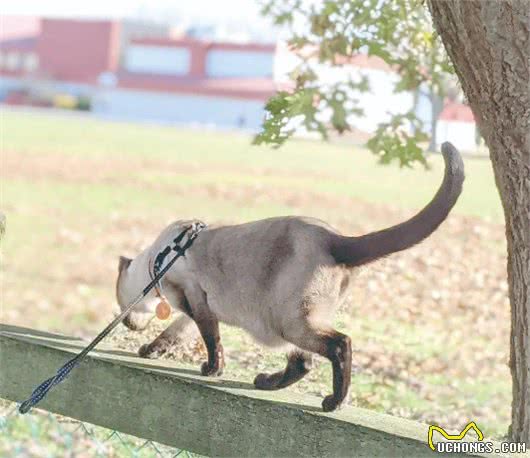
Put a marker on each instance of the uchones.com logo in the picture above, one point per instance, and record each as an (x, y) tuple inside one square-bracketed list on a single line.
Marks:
[(462, 443)]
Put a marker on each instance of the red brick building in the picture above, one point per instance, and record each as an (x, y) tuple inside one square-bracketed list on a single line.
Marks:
[(219, 83)]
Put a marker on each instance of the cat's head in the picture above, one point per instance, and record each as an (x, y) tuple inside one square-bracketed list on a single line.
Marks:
[(134, 274), (127, 288)]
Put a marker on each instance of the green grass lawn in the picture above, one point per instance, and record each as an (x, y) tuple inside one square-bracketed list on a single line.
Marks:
[(78, 192), (337, 170)]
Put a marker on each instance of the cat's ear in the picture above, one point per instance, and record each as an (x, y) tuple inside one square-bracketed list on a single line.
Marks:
[(124, 263)]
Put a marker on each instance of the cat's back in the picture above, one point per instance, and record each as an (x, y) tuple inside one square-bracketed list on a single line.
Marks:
[(267, 243), (260, 261)]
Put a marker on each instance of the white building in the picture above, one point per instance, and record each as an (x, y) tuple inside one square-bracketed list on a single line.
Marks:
[(455, 123)]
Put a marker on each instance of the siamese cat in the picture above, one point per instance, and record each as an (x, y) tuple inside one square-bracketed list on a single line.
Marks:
[(279, 279)]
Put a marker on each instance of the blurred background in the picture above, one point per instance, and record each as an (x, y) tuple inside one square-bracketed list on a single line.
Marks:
[(209, 65), (120, 117)]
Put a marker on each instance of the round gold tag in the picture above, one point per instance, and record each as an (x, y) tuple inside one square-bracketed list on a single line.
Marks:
[(163, 309)]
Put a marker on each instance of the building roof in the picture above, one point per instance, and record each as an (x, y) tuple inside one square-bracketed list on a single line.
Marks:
[(244, 88), (27, 44), (455, 111), (192, 42), (361, 60), (14, 27), (365, 61)]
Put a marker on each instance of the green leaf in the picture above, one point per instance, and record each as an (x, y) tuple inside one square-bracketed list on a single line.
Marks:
[(398, 31)]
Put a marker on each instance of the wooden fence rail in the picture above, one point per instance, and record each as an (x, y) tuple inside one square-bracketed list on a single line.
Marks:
[(176, 406)]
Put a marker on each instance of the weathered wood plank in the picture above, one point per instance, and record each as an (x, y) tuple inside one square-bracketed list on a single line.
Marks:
[(176, 406)]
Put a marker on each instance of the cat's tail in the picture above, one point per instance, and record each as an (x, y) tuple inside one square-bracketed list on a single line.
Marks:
[(354, 251)]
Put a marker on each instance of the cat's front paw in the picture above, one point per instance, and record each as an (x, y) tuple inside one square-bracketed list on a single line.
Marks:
[(151, 351), (267, 381), (211, 371), (331, 403)]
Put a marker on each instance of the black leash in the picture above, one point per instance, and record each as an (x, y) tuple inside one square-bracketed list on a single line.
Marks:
[(42, 390)]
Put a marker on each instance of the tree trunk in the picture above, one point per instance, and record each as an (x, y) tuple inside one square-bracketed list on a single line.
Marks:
[(488, 43)]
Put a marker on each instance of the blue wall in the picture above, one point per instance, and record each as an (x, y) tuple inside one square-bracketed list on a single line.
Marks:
[(9, 84), (179, 108)]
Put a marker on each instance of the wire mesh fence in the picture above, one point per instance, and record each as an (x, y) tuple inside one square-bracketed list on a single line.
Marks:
[(43, 434)]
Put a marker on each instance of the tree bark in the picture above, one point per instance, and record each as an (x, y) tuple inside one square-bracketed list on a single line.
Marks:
[(488, 43)]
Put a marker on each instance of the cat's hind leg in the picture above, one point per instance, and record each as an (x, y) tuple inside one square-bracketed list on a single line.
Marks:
[(334, 346)]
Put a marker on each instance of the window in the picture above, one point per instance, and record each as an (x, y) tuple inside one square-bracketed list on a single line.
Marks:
[(12, 61), (163, 60), (31, 62), (239, 64)]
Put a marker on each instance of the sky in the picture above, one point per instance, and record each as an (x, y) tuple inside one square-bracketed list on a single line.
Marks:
[(233, 16), (199, 10)]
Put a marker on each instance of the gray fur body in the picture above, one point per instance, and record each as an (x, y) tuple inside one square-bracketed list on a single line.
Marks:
[(294, 278), (287, 268)]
